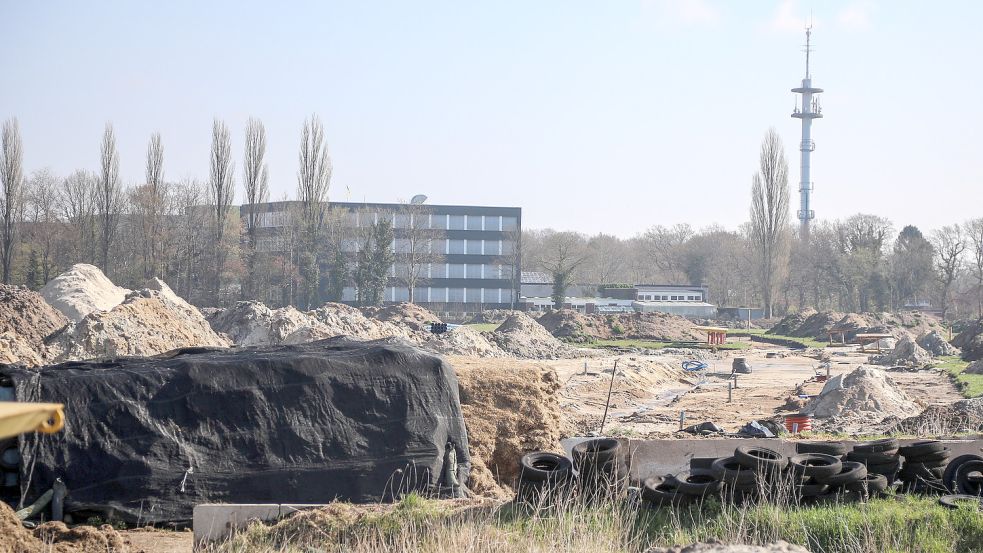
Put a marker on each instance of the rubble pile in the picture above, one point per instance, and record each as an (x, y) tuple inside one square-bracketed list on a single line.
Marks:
[(934, 343), (25, 321), (520, 335), (81, 290), (970, 341), (405, 314), (907, 353), (959, 417)]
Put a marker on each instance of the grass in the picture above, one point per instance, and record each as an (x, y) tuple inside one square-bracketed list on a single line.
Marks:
[(970, 385), (894, 524), (484, 327), (804, 342), (652, 344)]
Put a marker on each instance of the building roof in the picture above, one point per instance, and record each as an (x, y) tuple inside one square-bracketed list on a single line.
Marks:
[(679, 286), (536, 277)]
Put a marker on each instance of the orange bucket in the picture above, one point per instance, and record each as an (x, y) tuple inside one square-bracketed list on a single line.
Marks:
[(798, 423)]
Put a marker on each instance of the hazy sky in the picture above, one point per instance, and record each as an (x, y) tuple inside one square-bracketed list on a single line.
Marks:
[(596, 116)]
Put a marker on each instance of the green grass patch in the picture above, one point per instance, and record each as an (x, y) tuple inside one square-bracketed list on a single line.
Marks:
[(652, 344), (484, 327), (970, 385), (804, 342)]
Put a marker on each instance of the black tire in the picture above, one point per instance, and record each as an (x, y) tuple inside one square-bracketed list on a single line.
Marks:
[(872, 484), (729, 471), (698, 483), (914, 471), (542, 466), (965, 485), (836, 449), (760, 458), (10, 457), (816, 465), (953, 501), (702, 462), (597, 451), (939, 458), (949, 476), (887, 445), (850, 472), (811, 490), (661, 492), (918, 449), (871, 458)]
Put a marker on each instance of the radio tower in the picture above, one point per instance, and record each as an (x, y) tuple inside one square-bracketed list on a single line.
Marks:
[(810, 109)]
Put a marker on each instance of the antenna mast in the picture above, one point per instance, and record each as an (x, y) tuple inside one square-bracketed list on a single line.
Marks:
[(810, 109)]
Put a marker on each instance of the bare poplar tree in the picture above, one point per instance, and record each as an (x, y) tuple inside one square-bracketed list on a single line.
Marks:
[(414, 246), (974, 232), (769, 229), (221, 187), (79, 209), (255, 181), (11, 194), (512, 262), (949, 245), (313, 181), (155, 197), (109, 200)]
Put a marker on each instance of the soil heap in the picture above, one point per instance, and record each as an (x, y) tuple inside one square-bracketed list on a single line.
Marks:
[(463, 340), (791, 323), (404, 314), (55, 537), (496, 316), (816, 325), (25, 321), (509, 411), (81, 290), (341, 319), (866, 393), (970, 341), (906, 353), (573, 326), (149, 322), (959, 417), (934, 343), (521, 336)]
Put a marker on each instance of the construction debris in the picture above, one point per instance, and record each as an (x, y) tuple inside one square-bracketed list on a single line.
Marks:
[(934, 343), (81, 290), (906, 353)]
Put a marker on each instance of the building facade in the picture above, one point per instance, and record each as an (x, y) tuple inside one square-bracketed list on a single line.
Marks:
[(470, 257)]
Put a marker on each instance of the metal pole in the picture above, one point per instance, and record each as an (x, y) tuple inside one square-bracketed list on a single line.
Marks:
[(682, 419), (730, 392), (608, 402)]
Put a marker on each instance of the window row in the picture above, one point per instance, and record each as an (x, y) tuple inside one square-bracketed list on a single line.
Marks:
[(452, 270), (657, 297), (442, 246), (438, 294)]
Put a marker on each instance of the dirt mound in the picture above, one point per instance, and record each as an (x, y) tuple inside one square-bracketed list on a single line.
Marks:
[(462, 340), (25, 321), (970, 341), (409, 315), (865, 391), (959, 417), (55, 537), (251, 323), (147, 323), (496, 316), (906, 353), (812, 324), (81, 290), (522, 336), (510, 409), (791, 323), (934, 343), (574, 326), (341, 319)]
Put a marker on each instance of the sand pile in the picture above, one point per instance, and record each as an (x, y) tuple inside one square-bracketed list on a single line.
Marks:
[(866, 392), (147, 323), (520, 335), (906, 353), (959, 417), (970, 341), (509, 411), (55, 537), (573, 326), (251, 323), (342, 319), (463, 340), (25, 321), (936, 344), (404, 314), (81, 290)]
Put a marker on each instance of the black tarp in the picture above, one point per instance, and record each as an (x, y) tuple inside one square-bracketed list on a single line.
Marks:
[(146, 439)]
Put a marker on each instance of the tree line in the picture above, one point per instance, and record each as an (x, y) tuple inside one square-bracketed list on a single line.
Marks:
[(190, 234), (861, 263)]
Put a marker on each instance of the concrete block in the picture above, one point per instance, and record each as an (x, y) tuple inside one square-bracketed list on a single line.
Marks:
[(291, 508), (217, 521)]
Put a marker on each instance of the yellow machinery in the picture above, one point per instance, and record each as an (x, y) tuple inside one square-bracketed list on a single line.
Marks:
[(20, 418)]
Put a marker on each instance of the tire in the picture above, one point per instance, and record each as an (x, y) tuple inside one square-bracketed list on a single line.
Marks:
[(729, 471), (877, 446), (836, 449), (953, 501), (871, 458), (661, 492), (542, 466), (597, 451), (697, 483), (10, 457), (816, 465), (760, 458), (811, 490), (872, 484), (963, 484), (919, 449), (949, 476), (939, 458), (850, 472), (914, 471), (702, 462), (601, 468)]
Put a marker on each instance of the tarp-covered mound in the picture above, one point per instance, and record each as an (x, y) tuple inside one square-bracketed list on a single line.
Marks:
[(146, 439)]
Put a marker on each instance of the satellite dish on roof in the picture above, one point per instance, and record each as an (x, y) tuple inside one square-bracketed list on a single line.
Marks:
[(418, 199)]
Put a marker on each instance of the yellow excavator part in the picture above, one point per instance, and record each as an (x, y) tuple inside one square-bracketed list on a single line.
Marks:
[(19, 418)]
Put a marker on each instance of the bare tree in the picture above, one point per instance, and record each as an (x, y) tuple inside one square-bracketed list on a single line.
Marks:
[(79, 209), (43, 213), (109, 200), (414, 239), (255, 182), (220, 184), (949, 245), (11, 194), (563, 254), (769, 230), (193, 235), (974, 233), (512, 262), (664, 248), (313, 181), (153, 199)]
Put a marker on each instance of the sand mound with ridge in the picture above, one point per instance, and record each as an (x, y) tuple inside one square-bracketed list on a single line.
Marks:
[(864, 391), (81, 290)]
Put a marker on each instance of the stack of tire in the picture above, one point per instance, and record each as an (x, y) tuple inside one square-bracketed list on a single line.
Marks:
[(924, 466), (544, 478), (964, 475), (879, 457), (821, 476), (602, 468), (751, 472)]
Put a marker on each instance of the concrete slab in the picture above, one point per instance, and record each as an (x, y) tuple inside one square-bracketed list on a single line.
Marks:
[(217, 521)]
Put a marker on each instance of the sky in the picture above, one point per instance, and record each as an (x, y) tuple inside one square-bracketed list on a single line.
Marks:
[(592, 116)]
